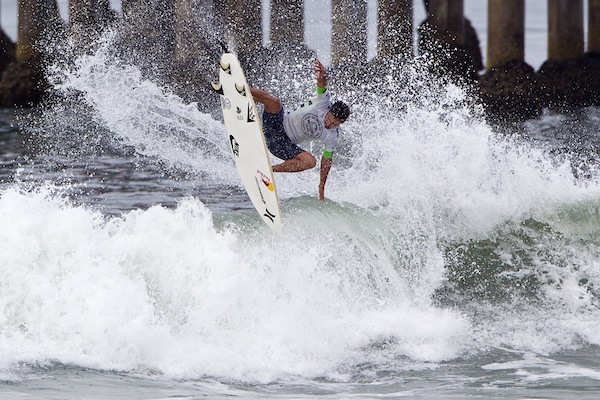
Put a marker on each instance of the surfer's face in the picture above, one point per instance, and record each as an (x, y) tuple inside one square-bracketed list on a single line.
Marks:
[(331, 121)]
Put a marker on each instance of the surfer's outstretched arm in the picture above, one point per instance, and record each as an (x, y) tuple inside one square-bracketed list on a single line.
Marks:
[(321, 77)]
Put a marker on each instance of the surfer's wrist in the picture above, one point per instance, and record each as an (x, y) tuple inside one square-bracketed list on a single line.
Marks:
[(322, 83)]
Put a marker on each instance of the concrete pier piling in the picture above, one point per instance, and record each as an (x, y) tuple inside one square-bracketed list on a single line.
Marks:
[(394, 28), (29, 30), (187, 28), (443, 38), (348, 31), (447, 18), (506, 20), (565, 29), (593, 26), (7, 50), (244, 20), (509, 85), (23, 82), (149, 30), (35, 19), (569, 76), (287, 22), (86, 20)]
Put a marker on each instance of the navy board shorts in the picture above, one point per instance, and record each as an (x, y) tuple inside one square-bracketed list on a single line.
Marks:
[(278, 142)]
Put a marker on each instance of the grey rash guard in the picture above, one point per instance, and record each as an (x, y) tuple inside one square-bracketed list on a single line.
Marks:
[(306, 122)]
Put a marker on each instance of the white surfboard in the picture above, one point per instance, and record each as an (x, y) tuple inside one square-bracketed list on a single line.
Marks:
[(246, 140)]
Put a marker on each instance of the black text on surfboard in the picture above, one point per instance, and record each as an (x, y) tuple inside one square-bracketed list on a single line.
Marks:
[(235, 146), (251, 116)]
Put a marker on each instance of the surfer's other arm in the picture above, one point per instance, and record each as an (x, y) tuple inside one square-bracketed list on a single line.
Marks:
[(326, 162)]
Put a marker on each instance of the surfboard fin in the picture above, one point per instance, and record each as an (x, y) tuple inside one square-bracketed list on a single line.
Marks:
[(240, 89), (225, 67), (217, 87)]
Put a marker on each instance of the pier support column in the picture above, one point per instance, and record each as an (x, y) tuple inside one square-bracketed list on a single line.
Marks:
[(149, 38), (593, 26), (508, 87), (7, 50), (506, 32), (443, 38), (394, 28), (34, 19), (244, 20), (348, 31), (287, 22), (187, 28), (565, 29), (446, 16), (86, 19), (23, 82)]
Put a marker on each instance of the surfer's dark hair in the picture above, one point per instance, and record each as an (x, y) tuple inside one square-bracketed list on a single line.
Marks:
[(340, 110)]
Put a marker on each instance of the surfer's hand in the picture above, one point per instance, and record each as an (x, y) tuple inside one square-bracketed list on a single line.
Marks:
[(321, 77)]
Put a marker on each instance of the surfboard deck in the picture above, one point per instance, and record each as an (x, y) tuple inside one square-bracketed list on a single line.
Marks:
[(246, 140)]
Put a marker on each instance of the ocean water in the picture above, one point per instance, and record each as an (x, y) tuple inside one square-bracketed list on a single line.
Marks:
[(450, 259)]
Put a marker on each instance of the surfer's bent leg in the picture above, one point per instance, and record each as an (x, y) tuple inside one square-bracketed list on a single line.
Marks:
[(301, 162), (280, 145), (272, 104)]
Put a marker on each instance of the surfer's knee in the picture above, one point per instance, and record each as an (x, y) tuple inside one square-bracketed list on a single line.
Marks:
[(308, 160), (273, 105)]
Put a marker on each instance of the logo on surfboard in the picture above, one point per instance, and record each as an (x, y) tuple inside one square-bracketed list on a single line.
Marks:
[(225, 103), (266, 180), (251, 116), (235, 146), (269, 214)]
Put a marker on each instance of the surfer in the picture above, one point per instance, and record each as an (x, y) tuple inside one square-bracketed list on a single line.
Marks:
[(317, 119)]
